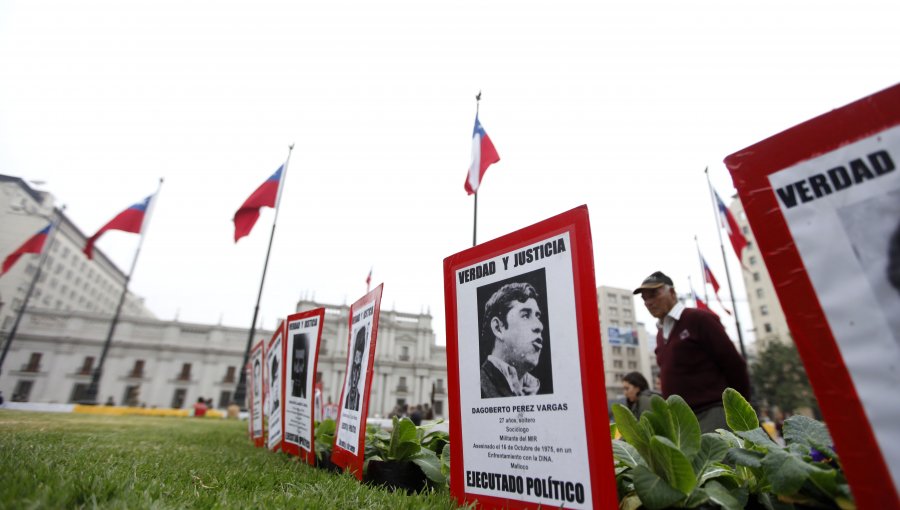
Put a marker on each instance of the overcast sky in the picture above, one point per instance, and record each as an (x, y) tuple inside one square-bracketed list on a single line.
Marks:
[(617, 105)]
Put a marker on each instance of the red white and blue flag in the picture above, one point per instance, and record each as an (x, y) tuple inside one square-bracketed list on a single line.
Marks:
[(483, 155), (34, 244), (726, 220), (130, 220), (710, 279), (265, 195), (700, 304)]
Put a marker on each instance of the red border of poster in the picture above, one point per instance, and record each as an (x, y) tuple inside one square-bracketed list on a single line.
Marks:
[(750, 168), (279, 331), (340, 456), (600, 460), (258, 441), (289, 448)]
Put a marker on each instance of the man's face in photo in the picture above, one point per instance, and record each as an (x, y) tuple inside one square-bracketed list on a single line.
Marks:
[(521, 338)]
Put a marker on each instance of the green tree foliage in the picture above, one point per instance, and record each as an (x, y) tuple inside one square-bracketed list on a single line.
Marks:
[(779, 379)]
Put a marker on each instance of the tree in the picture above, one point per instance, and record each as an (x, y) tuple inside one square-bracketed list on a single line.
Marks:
[(779, 379)]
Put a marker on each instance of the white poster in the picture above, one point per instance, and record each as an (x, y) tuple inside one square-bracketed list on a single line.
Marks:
[(256, 382), (274, 400), (521, 399), (843, 212), (349, 429), (301, 354)]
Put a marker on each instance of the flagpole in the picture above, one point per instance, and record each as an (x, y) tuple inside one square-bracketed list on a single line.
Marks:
[(693, 292), (705, 290), (93, 388), (475, 214), (240, 393), (715, 205), (37, 275)]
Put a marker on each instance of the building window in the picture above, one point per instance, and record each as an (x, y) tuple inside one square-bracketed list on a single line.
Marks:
[(439, 385), (401, 384), (632, 365), (34, 363), (767, 327), (764, 310), (132, 393), (617, 363), (178, 398), (22, 392), (438, 408), (404, 353), (630, 351), (229, 376), (613, 310), (755, 277), (626, 312), (79, 393), (224, 399), (87, 366), (617, 349), (759, 293), (137, 371), (185, 374)]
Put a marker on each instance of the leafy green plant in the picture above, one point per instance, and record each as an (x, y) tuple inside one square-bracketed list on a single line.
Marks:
[(324, 437), (665, 462), (420, 445)]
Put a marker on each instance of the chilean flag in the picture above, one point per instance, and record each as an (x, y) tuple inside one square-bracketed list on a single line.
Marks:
[(701, 305), (35, 244), (483, 155), (264, 196), (726, 219), (708, 278), (129, 220)]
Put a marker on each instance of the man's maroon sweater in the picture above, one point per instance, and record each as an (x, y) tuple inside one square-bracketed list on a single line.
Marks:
[(698, 361)]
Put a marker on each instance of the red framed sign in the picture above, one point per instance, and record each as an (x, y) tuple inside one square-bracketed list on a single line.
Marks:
[(528, 413), (301, 356), (257, 397), (823, 199), (349, 439), (274, 400)]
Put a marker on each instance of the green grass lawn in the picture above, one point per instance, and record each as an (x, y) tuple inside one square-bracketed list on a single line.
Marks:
[(83, 461)]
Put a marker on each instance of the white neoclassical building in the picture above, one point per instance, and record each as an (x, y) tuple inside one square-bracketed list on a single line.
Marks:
[(160, 363)]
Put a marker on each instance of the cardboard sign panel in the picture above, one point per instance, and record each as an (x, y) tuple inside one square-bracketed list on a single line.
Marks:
[(823, 199), (256, 393), (528, 411), (301, 355), (275, 388), (349, 440)]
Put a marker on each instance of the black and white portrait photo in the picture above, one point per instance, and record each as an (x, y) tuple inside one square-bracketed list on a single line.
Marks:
[(275, 384), (299, 365), (257, 377), (352, 400), (514, 338)]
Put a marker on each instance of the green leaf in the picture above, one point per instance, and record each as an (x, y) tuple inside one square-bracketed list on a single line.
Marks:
[(825, 479), (654, 492), (760, 439), (785, 472), (739, 414), (445, 463), (430, 465), (743, 457), (685, 427), (630, 430), (722, 496), (697, 498), (612, 431), (712, 450), (804, 430), (660, 418), (717, 470), (626, 454), (770, 502), (676, 468), (403, 435)]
